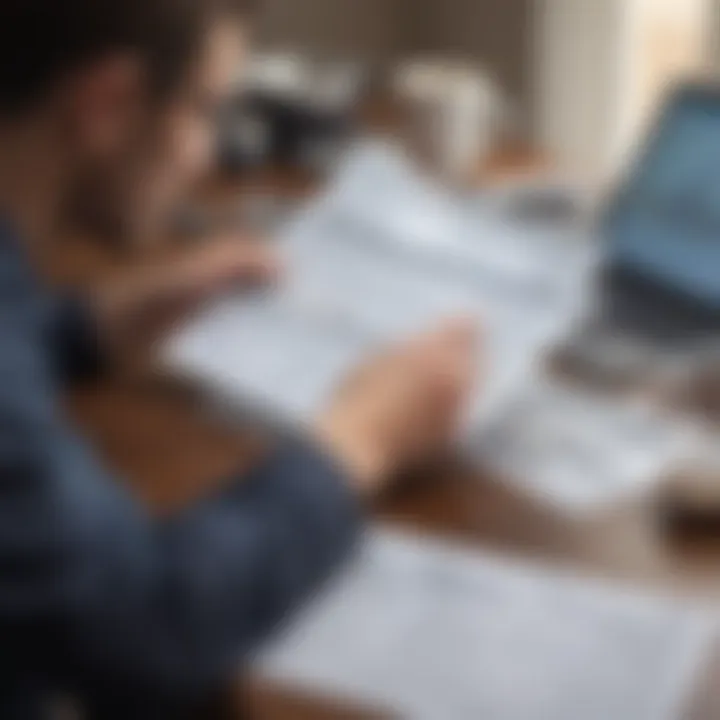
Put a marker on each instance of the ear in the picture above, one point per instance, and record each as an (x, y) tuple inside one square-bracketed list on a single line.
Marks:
[(102, 103)]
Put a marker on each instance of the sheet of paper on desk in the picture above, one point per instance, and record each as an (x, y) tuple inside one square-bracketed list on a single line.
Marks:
[(579, 450), (433, 632), (382, 254)]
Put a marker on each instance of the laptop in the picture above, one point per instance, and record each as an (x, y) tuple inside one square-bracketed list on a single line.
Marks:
[(661, 228)]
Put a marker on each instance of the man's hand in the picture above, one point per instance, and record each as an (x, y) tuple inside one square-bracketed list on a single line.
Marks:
[(163, 289), (402, 407), (218, 266)]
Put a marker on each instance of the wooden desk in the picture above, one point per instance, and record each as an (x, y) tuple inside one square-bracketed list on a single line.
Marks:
[(171, 452)]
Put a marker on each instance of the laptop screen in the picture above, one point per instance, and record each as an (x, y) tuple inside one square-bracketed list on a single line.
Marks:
[(665, 221)]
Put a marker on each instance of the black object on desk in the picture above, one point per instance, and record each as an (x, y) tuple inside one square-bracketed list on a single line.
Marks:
[(291, 126)]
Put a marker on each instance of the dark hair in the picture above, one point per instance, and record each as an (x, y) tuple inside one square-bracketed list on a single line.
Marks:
[(43, 41)]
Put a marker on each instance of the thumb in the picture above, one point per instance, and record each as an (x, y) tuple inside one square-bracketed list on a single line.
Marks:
[(250, 262)]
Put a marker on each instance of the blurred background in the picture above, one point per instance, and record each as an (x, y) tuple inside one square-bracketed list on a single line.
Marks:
[(542, 89), (580, 76)]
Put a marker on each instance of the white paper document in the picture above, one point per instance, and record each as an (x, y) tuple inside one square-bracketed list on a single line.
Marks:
[(579, 450), (382, 254), (429, 631)]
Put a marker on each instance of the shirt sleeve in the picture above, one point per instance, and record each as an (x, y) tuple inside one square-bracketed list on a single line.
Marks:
[(94, 591), (73, 338)]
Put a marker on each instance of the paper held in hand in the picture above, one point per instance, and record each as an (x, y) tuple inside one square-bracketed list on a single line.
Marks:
[(383, 253)]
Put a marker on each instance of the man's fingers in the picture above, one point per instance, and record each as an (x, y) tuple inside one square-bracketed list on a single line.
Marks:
[(255, 257), (456, 341), (450, 358), (457, 333), (233, 260), (260, 266)]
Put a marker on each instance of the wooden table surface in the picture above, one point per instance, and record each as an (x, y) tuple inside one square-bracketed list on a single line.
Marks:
[(171, 451)]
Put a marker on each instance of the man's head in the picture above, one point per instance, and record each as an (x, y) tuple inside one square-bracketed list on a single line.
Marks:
[(129, 90)]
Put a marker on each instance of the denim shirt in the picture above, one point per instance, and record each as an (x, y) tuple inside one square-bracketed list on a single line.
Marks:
[(98, 600)]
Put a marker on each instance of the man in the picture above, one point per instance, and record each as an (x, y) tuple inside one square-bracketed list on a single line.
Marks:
[(99, 602)]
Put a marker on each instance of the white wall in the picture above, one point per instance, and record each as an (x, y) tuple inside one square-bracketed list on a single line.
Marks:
[(672, 39), (337, 28), (578, 81), (601, 67)]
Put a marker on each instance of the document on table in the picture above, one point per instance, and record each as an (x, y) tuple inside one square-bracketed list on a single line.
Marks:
[(580, 450), (432, 631), (380, 255)]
